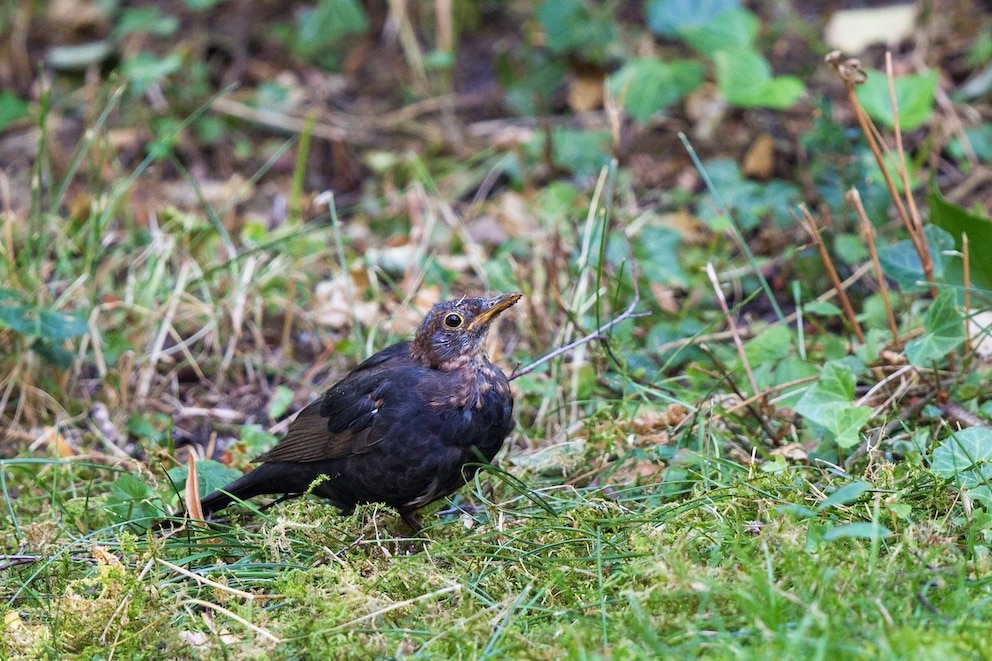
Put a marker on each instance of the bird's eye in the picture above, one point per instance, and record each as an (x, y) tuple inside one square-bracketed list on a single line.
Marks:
[(453, 320)]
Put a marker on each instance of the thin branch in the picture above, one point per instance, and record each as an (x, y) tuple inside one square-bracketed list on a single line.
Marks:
[(595, 335), (722, 300), (854, 199), (14, 560), (808, 223)]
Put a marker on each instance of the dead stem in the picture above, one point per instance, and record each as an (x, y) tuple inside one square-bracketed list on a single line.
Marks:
[(807, 222), (868, 232), (851, 74), (711, 273)]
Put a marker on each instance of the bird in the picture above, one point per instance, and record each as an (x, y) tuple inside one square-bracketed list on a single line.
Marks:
[(408, 426)]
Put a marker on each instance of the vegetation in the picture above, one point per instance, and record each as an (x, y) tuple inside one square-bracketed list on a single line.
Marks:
[(751, 368)]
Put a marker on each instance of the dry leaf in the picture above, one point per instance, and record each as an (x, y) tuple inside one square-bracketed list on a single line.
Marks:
[(193, 507), (793, 452), (585, 93), (759, 161)]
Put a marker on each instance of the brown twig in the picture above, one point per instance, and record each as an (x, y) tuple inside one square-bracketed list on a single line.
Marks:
[(916, 224), (807, 222), (18, 559), (854, 199), (850, 72), (788, 319), (711, 273)]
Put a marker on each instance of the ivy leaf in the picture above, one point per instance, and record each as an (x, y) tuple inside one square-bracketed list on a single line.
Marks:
[(966, 458), (745, 79), (914, 96), (731, 30), (670, 17), (901, 262), (829, 404), (646, 85), (944, 332)]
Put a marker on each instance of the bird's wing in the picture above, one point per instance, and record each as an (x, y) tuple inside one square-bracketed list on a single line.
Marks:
[(340, 423)]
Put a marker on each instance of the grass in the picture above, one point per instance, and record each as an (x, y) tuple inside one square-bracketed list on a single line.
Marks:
[(629, 535), (744, 569)]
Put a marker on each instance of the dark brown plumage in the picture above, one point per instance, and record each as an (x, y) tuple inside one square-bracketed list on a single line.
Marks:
[(401, 427)]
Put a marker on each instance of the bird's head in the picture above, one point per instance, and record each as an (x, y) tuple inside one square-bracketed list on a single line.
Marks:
[(451, 334)]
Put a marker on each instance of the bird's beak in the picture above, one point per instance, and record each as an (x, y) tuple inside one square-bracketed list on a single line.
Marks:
[(499, 303)]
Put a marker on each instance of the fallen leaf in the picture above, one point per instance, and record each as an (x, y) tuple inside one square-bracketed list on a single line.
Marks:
[(585, 93), (759, 161)]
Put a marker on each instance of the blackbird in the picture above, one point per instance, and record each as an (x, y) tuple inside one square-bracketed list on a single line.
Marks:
[(402, 427)]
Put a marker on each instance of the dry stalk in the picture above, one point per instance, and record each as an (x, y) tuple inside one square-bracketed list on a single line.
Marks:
[(868, 232), (807, 222), (851, 74), (711, 273)]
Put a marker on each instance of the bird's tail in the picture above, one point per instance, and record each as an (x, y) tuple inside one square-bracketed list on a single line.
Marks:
[(255, 483)]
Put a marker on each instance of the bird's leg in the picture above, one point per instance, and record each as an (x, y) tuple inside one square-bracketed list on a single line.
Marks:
[(410, 517), (281, 499)]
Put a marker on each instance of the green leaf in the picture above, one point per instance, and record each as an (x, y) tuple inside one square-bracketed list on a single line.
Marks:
[(850, 248), (745, 79), (829, 404), (43, 323), (210, 475), (582, 152), (323, 27), (656, 250), (773, 344), (531, 84), (944, 328), (573, 25), (146, 20), (145, 69), (749, 201), (966, 458), (12, 108), (669, 17), (978, 137), (822, 308), (646, 85), (958, 222), (281, 400), (731, 30), (201, 5), (846, 494), (58, 326), (965, 449), (53, 353), (792, 370), (901, 262), (914, 97), (131, 500), (860, 530)]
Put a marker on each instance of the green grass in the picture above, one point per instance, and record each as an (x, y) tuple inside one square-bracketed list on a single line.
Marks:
[(624, 521), (746, 569)]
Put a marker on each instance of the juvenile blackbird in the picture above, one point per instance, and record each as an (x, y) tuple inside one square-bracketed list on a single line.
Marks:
[(401, 428)]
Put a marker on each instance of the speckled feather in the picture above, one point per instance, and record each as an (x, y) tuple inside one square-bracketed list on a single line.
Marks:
[(401, 428)]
